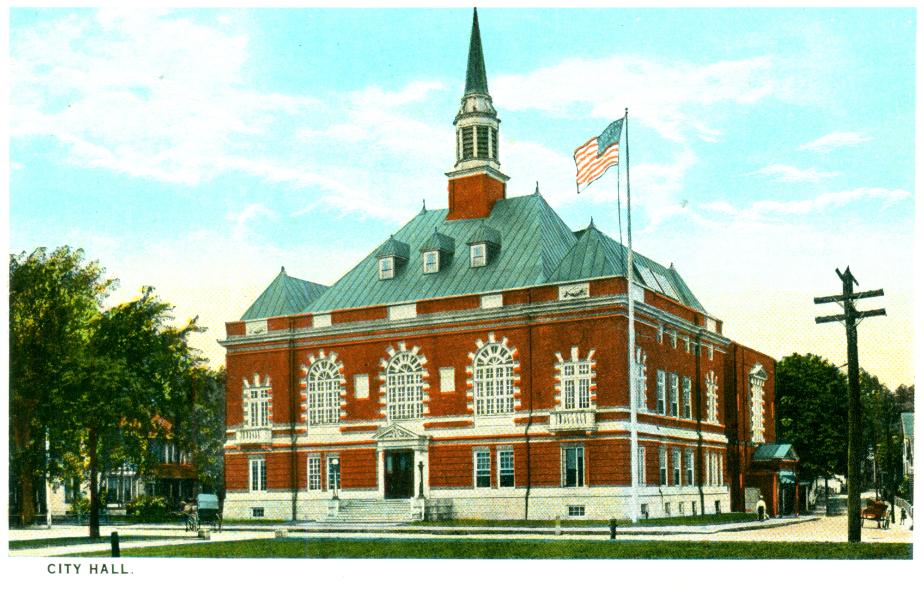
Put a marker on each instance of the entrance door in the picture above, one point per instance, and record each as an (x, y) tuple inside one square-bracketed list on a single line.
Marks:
[(399, 474)]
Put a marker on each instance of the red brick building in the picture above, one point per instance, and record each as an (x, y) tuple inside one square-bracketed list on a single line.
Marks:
[(476, 365)]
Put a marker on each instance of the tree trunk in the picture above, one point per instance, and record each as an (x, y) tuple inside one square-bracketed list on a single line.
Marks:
[(94, 483), (827, 504), (23, 465)]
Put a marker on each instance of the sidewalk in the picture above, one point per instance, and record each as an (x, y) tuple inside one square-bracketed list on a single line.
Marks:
[(802, 529)]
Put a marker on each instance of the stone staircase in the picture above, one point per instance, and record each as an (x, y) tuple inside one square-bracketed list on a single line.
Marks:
[(373, 511)]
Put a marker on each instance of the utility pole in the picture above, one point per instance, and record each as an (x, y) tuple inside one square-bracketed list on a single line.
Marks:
[(849, 318)]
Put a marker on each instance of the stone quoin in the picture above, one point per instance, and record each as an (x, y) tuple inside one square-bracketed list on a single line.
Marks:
[(482, 348)]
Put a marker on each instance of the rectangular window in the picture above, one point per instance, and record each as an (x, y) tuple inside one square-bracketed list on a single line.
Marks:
[(361, 386), (675, 394), (662, 466), (688, 463), (576, 511), (505, 467), (314, 473), (479, 255), (482, 143), (482, 468), (573, 466), (680, 506), (468, 142), (386, 268), (258, 474), (575, 381), (493, 144), (675, 459), (431, 262), (687, 397), (667, 509), (256, 512), (447, 379), (644, 510), (661, 392), (333, 472), (660, 334), (641, 465), (686, 344)]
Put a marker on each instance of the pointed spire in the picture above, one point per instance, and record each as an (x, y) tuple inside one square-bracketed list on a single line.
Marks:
[(283, 270), (476, 79), (423, 209), (591, 226), (536, 192)]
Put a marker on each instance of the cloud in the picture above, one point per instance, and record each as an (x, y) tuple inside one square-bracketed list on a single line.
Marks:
[(251, 211), (760, 209), (670, 98), (835, 140), (784, 173)]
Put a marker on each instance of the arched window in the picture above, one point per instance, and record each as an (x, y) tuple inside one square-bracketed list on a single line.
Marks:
[(404, 386), (323, 392), (257, 395), (493, 371), (712, 397)]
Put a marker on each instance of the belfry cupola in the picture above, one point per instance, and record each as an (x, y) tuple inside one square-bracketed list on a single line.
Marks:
[(476, 182)]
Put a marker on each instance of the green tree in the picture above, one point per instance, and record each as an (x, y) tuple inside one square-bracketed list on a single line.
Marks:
[(811, 397), (54, 297), (198, 419), (129, 375)]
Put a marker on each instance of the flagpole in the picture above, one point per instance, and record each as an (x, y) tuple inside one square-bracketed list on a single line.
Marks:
[(633, 378)]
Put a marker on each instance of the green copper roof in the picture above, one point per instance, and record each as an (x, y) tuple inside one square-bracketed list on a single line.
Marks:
[(284, 296), (534, 238), (485, 234), (393, 247), (439, 241), (596, 254), (908, 424), (476, 79), (775, 451)]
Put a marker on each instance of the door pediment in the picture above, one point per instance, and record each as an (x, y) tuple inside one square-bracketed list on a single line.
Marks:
[(396, 436)]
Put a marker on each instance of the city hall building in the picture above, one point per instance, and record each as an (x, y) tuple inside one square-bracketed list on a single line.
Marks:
[(475, 365)]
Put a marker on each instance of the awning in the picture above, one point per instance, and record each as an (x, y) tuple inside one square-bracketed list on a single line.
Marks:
[(787, 477)]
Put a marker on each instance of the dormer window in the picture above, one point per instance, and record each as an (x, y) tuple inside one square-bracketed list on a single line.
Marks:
[(391, 255), (431, 262), (479, 255), (387, 268)]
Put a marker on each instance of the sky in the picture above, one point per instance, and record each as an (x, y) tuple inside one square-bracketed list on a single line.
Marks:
[(199, 151)]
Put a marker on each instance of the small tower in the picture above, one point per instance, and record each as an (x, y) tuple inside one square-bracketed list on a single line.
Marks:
[(476, 182)]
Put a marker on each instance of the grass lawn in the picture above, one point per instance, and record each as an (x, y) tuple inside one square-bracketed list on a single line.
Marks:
[(75, 540), (471, 548), (699, 520)]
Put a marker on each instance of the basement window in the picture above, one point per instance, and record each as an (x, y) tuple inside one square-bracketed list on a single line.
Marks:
[(576, 511), (256, 512)]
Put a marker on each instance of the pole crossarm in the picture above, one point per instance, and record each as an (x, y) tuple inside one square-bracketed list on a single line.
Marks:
[(857, 295), (873, 313), (830, 318)]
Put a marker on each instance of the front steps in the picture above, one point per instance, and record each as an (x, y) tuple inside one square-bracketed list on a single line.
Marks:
[(372, 511)]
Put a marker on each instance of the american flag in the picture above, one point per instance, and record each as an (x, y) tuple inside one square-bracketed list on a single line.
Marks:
[(597, 154)]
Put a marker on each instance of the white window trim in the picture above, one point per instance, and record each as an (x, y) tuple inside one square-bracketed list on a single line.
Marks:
[(663, 467), (503, 386), (513, 470), (689, 463), (661, 407), (564, 464), (478, 255), (686, 393), (674, 408), (431, 262), (578, 374), (260, 483), (322, 392), (320, 481), (676, 467), (641, 382), (476, 452), (260, 396), (399, 384), (386, 268)]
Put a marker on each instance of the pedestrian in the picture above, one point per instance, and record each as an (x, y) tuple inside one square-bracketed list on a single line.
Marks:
[(761, 508), (904, 516)]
